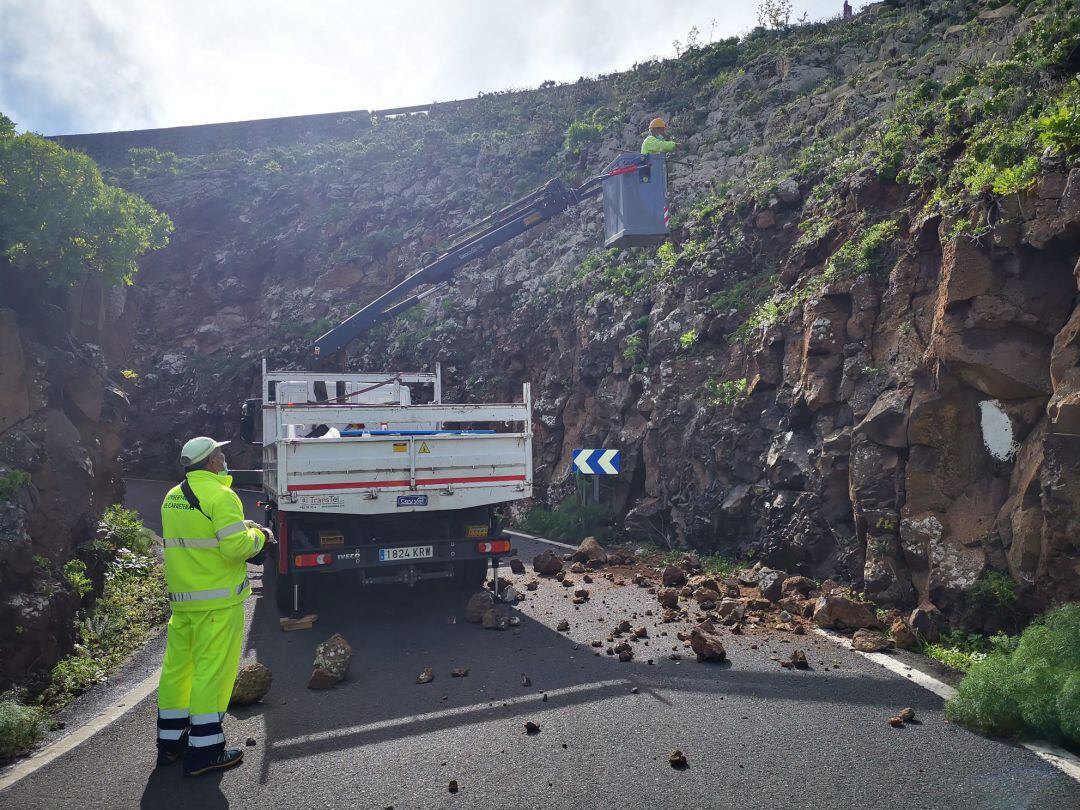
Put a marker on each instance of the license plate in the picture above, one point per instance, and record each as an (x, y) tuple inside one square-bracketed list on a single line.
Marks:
[(409, 553)]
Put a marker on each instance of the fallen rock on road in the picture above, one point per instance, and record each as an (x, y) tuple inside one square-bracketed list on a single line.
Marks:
[(547, 563), (706, 644), (332, 659), (252, 683), (478, 604), (841, 613)]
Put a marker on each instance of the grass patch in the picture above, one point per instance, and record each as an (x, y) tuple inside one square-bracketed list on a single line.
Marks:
[(571, 521), (21, 727), (716, 564), (1030, 691)]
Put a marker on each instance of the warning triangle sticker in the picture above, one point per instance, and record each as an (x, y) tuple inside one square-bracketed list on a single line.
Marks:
[(424, 447)]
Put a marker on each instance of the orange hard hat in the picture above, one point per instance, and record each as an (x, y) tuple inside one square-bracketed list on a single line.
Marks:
[(657, 123)]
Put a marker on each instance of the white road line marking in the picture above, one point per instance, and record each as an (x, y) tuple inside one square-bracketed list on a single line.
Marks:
[(1058, 757), (541, 539), (307, 739), (939, 688), (80, 735)]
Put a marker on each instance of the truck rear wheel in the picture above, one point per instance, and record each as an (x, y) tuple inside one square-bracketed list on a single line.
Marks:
[(470, 574), (282, 586)]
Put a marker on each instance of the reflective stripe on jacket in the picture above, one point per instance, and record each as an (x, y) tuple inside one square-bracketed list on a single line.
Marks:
[(654, 146), (205, 557)]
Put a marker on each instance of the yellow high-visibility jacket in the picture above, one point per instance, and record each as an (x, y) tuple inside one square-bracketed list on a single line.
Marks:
[(653, 145), (205, 554)]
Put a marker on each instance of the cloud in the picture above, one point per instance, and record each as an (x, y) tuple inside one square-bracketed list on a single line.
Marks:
[(82, 66)]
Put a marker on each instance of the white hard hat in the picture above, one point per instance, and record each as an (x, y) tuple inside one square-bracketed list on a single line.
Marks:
[(197, 449)]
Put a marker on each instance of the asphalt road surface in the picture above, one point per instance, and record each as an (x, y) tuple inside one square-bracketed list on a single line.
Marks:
[(755, 735)]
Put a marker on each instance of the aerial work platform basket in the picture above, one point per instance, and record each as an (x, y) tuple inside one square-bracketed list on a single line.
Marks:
[(635, 201)]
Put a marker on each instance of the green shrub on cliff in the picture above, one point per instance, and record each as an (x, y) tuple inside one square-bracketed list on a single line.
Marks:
[(133, 602), (1033, 691), (57, 214)]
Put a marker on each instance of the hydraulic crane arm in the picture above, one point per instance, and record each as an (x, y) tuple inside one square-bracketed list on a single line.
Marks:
[(479, 238)]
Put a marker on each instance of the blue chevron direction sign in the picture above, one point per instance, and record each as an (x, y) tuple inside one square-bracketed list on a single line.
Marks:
[(596, 462)]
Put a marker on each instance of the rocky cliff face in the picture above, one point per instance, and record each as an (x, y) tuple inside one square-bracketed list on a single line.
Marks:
[(857, 358), (60, 421)]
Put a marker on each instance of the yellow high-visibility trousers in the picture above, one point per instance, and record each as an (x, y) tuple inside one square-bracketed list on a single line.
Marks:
[(202, 656)]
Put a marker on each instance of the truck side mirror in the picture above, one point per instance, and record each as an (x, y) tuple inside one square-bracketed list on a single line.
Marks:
[(248, 410)]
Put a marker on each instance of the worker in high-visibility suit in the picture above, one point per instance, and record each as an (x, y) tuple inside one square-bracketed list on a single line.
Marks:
[(207, 546), (655, 142)]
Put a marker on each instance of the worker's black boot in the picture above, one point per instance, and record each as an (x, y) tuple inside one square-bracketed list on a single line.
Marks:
[(169, 751), (196, 763)]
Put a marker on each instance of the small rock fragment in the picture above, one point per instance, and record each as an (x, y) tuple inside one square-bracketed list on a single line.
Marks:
[(896, 722), (562, 626), (495, 619), (453, 786), (427, 676), (525, 680), (677, 760), (516, 566), (798, 660), (907, 714), (250, 742), (531, 727), (460, 672)]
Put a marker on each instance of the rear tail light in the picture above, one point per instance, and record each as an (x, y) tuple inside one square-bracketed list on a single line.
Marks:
[(494, 547), (312, 560)]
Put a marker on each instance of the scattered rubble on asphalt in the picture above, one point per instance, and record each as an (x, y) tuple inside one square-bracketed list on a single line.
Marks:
[(252, 683), (460, 672), (331, 665), (427, 676), (755, 600)]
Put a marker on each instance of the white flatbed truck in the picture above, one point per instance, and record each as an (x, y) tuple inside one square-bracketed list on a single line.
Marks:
[(359, 479)]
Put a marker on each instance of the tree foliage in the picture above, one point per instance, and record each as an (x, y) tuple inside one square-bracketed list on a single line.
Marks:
[(57, 214)]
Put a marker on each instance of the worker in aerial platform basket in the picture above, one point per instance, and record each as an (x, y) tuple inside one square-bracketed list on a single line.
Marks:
[(208, 544), (656, 141)]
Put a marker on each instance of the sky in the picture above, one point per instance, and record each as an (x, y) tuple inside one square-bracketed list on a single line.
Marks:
[(70, 66)]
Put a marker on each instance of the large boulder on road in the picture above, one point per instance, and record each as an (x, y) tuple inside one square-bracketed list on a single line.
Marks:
[(478, 604), (332, 659), (840, 613), (252, 683), (706, 644), (771, 583), (547, 563), (590, 550)]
